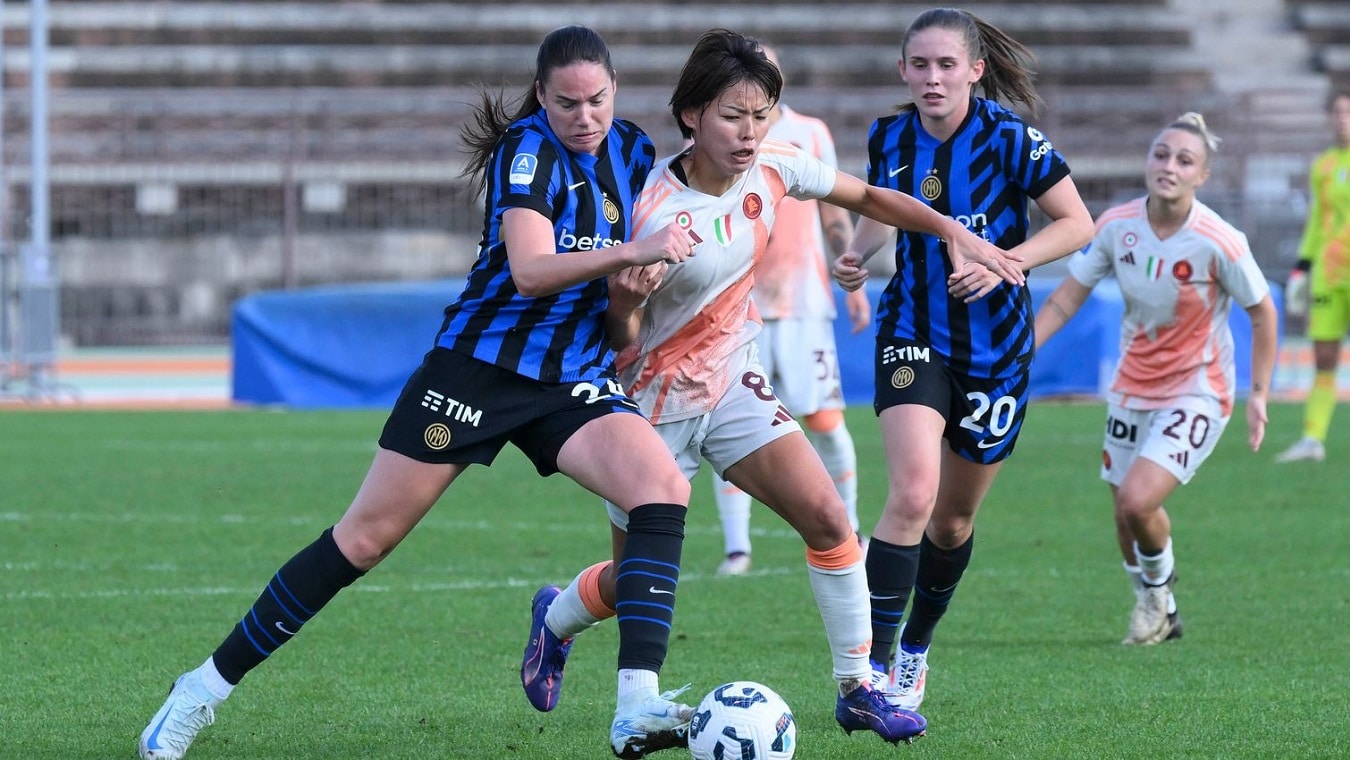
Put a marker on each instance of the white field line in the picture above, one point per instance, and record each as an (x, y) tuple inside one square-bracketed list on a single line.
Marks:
[(448, 587)]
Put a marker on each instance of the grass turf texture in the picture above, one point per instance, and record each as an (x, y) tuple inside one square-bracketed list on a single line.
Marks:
[(130, 543)]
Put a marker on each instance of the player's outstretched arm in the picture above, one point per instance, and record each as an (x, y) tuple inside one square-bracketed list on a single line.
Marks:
[(1059, 308), (903, 211)]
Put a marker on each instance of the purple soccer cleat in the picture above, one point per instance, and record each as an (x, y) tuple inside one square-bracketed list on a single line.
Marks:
[(865, 709), (541, 669)]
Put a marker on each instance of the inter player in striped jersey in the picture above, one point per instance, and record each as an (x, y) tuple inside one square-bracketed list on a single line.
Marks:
[(954, 346), (795, 299), (1180, 268), (1319, 286), (687, 334), (522, 357)]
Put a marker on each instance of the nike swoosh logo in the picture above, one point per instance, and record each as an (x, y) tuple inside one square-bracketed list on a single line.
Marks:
[(574, 187), (987, 444), (282, 628), (881, 598), (153, 741), (897, 171), (656, 590)]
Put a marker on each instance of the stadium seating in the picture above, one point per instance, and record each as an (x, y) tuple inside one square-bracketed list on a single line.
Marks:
[(236, 111), (1327, 26)]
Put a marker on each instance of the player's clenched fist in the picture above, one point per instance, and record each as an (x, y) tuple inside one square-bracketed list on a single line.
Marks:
[(671, 244)]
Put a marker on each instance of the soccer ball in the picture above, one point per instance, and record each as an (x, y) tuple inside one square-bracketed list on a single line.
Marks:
[(742, 720)]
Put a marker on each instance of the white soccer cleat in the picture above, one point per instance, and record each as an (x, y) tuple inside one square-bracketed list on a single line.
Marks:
[(189, 709), (1303, 450), (643, 726), (735, 564), (1149, 622), (907, 678)]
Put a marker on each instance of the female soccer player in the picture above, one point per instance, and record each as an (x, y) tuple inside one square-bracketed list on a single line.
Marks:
[(522, 357), (1319, 286), (795, 300), (1180, 268), (689, 356), (954, 346)]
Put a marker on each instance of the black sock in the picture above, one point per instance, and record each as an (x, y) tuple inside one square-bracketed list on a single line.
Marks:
[(890, 576), (294, 595), (645, 584), (939, 572)]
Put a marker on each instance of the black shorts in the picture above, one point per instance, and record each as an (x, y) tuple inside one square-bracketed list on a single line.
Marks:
[(984, 415), (456, 409)]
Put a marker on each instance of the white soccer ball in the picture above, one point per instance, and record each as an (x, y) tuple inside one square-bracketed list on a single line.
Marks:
[(742, 720)]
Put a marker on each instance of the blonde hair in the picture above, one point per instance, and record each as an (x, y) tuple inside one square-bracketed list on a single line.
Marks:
[(1194, 123)]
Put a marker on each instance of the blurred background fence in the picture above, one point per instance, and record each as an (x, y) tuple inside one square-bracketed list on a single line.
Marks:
[(200, 152)]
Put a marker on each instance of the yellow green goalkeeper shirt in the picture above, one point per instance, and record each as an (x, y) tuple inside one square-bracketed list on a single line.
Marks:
[(1326, 236)]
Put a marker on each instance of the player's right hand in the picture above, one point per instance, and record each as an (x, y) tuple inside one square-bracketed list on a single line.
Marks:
[(848, 271), (969, 247), (671, 245)]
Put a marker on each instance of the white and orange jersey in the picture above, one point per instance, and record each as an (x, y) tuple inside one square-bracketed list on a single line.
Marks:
[(1174, 339), (698, 327), (793, 282)]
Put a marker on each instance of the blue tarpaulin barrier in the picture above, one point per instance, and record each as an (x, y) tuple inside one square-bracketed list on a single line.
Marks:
[(356, 345)]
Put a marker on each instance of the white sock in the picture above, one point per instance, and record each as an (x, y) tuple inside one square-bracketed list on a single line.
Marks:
[(214, 682), (1136, 578), (841, 461), (733, 507), (567, 615), (1156, 568), (841, 597), (637, 686)]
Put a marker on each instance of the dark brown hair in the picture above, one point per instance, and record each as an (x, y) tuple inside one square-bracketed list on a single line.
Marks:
[(491, 117)]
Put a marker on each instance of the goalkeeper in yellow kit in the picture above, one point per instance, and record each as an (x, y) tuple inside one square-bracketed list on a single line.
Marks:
[(1319, 286)]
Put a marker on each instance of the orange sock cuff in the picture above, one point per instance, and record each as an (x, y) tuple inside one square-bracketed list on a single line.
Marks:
[(589, 588), (840, 557), (824, 421)]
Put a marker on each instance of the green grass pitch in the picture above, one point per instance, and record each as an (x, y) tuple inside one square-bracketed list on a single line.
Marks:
[(130, 543)]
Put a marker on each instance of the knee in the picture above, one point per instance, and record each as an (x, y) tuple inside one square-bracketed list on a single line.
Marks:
[(949, 531), (911, 501), (362, 546), (825, 525), (1132, 505), (672, 486)]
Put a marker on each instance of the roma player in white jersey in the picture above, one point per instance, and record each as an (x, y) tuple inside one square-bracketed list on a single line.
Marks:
[(1180, 269), (795, 297), (688, 337)]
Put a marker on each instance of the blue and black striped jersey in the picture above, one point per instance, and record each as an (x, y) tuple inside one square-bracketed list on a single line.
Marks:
[(557, 338), (982, 176)]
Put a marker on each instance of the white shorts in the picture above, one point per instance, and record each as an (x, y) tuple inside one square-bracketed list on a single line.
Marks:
[(799, 357), (747, 418), (1178, 439)]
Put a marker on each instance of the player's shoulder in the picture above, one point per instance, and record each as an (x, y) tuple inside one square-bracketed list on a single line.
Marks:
[(781, 153), (804, 121), (1130, 212), (1330, 160), (1207, 223), (893, 121), (628, 129)]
